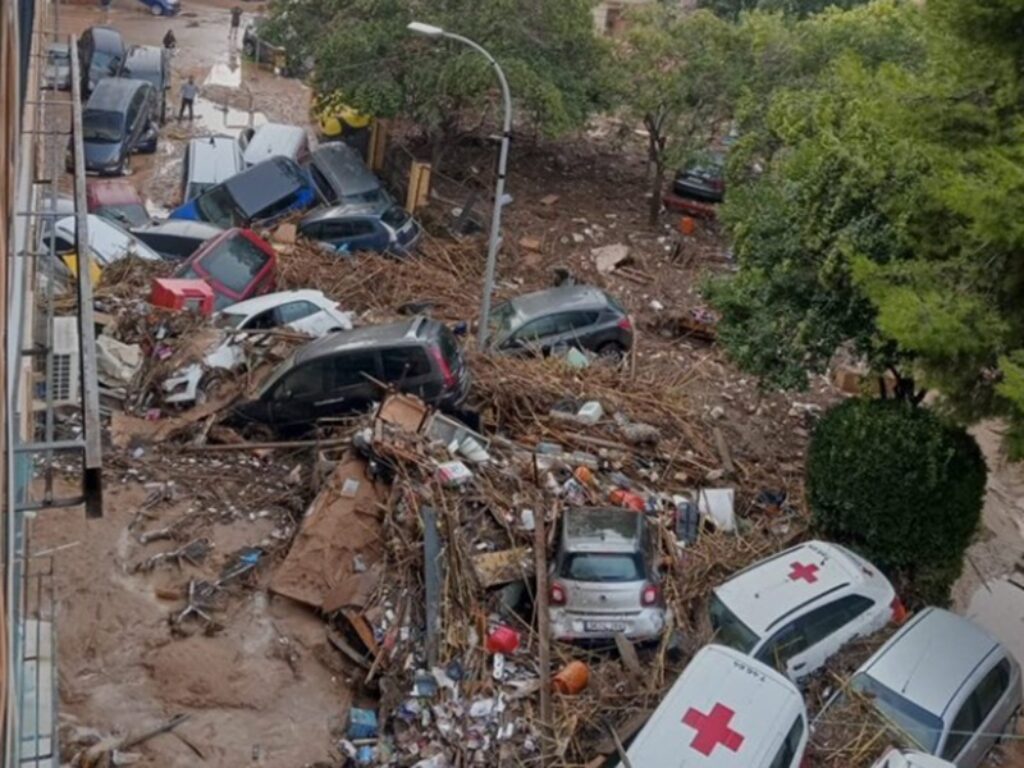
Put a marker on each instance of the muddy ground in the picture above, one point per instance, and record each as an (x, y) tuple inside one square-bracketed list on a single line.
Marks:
[(262, 684)]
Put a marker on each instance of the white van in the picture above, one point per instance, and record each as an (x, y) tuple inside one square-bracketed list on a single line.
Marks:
[(208, 161), (273, 140), (726, 710)]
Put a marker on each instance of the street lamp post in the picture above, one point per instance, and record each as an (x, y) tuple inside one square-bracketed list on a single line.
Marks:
[(494, 241)]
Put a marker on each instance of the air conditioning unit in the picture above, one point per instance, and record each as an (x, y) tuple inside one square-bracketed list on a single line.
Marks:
[(66, 365)]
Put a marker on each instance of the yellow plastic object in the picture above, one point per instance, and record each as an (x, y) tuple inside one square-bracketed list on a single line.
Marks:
[(334, 116), (95, 271)]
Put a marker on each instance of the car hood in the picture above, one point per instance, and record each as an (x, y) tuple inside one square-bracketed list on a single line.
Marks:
[(101, 154)]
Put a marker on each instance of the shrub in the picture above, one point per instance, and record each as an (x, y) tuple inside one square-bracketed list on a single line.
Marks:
[(899, 485)]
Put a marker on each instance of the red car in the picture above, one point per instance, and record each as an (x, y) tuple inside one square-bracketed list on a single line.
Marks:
[(237, 264), (116, 200)]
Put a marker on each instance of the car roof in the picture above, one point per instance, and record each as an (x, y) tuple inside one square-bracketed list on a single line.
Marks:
[(111, 192), (114, 93), (107, 36), (567, 297), (344, 169), (350, 209), (795, 579), (254, 187), (272, 140), (904, 758), (183, 228), (930, 658), (145, 54), (267, 301), (601, 529), (367, 336), (215, 157), (750, 705)]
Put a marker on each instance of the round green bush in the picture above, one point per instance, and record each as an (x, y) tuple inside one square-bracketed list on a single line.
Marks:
[(899, 485)]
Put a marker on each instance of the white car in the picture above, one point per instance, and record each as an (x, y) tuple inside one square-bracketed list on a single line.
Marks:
[(905, 758), (796, 609), (726, 710), (306, 311), (107, 241)]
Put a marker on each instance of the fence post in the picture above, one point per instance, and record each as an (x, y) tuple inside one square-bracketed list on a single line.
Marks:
[(378, 145), (419, 186)]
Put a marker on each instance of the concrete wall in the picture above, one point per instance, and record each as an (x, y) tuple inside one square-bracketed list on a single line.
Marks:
[(608, 14)]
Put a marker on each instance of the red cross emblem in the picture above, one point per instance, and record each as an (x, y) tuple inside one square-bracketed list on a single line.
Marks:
[(712, 729), (808, 573)]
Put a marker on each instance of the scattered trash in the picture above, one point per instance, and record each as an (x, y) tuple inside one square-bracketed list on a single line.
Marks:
[(572, 678)]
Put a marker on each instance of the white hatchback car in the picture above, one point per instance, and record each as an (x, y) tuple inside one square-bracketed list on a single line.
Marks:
[(795, 609), (726, 710), (305, 311), (905, 758)]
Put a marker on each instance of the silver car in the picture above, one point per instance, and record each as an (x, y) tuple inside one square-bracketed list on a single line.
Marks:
[(947, 686), (603, 580)]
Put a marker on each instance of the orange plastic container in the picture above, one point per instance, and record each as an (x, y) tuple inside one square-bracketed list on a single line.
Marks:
[(687, 225), (571, 679)]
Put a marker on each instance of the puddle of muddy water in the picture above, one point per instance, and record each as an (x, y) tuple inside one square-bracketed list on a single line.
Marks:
[(999, 607)]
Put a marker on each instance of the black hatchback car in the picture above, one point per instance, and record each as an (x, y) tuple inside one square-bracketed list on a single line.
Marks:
[(117, 120), (579, 316), (332, 376), (100, 53), (704, 180), (152, 64)]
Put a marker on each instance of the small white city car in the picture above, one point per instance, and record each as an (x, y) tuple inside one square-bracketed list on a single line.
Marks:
[(944, 685), (796, 609), (906, 758), (726, 710)]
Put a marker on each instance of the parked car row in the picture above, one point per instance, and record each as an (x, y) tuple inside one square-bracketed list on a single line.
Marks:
[(946, 688)]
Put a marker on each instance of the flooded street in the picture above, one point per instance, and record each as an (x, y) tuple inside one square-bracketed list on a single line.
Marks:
[(235, 94)]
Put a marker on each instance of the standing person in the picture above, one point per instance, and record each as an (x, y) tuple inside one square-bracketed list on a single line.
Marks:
[(236, 19), (189, 91)]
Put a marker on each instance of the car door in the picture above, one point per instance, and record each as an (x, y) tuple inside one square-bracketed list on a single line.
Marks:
[(825, 630), (980, 719), (350, 389), (366, 237), (583, 331), (295, 398), (408, 368), (304, 316), (338, 232), (542, 333)]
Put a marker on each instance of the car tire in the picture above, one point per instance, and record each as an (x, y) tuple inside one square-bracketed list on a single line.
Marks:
[(126, 165), (249, 49), (612, 351)]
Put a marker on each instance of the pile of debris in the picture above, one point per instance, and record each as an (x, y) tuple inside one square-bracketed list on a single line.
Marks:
[(428, 551)]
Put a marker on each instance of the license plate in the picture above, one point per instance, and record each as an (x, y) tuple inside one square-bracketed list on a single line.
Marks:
[(605, 626)]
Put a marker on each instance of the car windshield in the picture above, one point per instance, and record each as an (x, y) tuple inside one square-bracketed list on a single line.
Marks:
[(602, 566), (234, 263), (921, 728), (228, 321), (218, 207), (729, 630), (102, 61), (129, 214), (101, 126)]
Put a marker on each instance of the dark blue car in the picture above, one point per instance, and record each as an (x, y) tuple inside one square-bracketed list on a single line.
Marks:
[(263, 193), (381, 227), (118, 120)]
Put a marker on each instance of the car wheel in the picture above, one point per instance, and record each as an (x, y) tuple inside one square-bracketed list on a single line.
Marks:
[(156, 10), (126, 165), (612, 351), (249, 48)]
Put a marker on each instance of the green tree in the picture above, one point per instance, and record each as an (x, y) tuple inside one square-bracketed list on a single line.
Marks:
[(555, 64), (899, 485), (676, 74), (731, 9)]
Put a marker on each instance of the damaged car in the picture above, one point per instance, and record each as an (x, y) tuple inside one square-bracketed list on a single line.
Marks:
[(306, 311)]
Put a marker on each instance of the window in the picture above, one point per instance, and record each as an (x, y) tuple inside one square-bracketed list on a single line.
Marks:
[(217, 206), (262, 321), (580, 320), (337, 230), (314, 230), (323, 186), (294, 311), (922, 727), (404, 363), (729, 630), (784, 645), (276, 207), (101, 126), (602, 567), (790, 746), (305, 383), (977, 708), (348, 369), (552, 325), (235, 263), (362, 227), (829, 619)]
